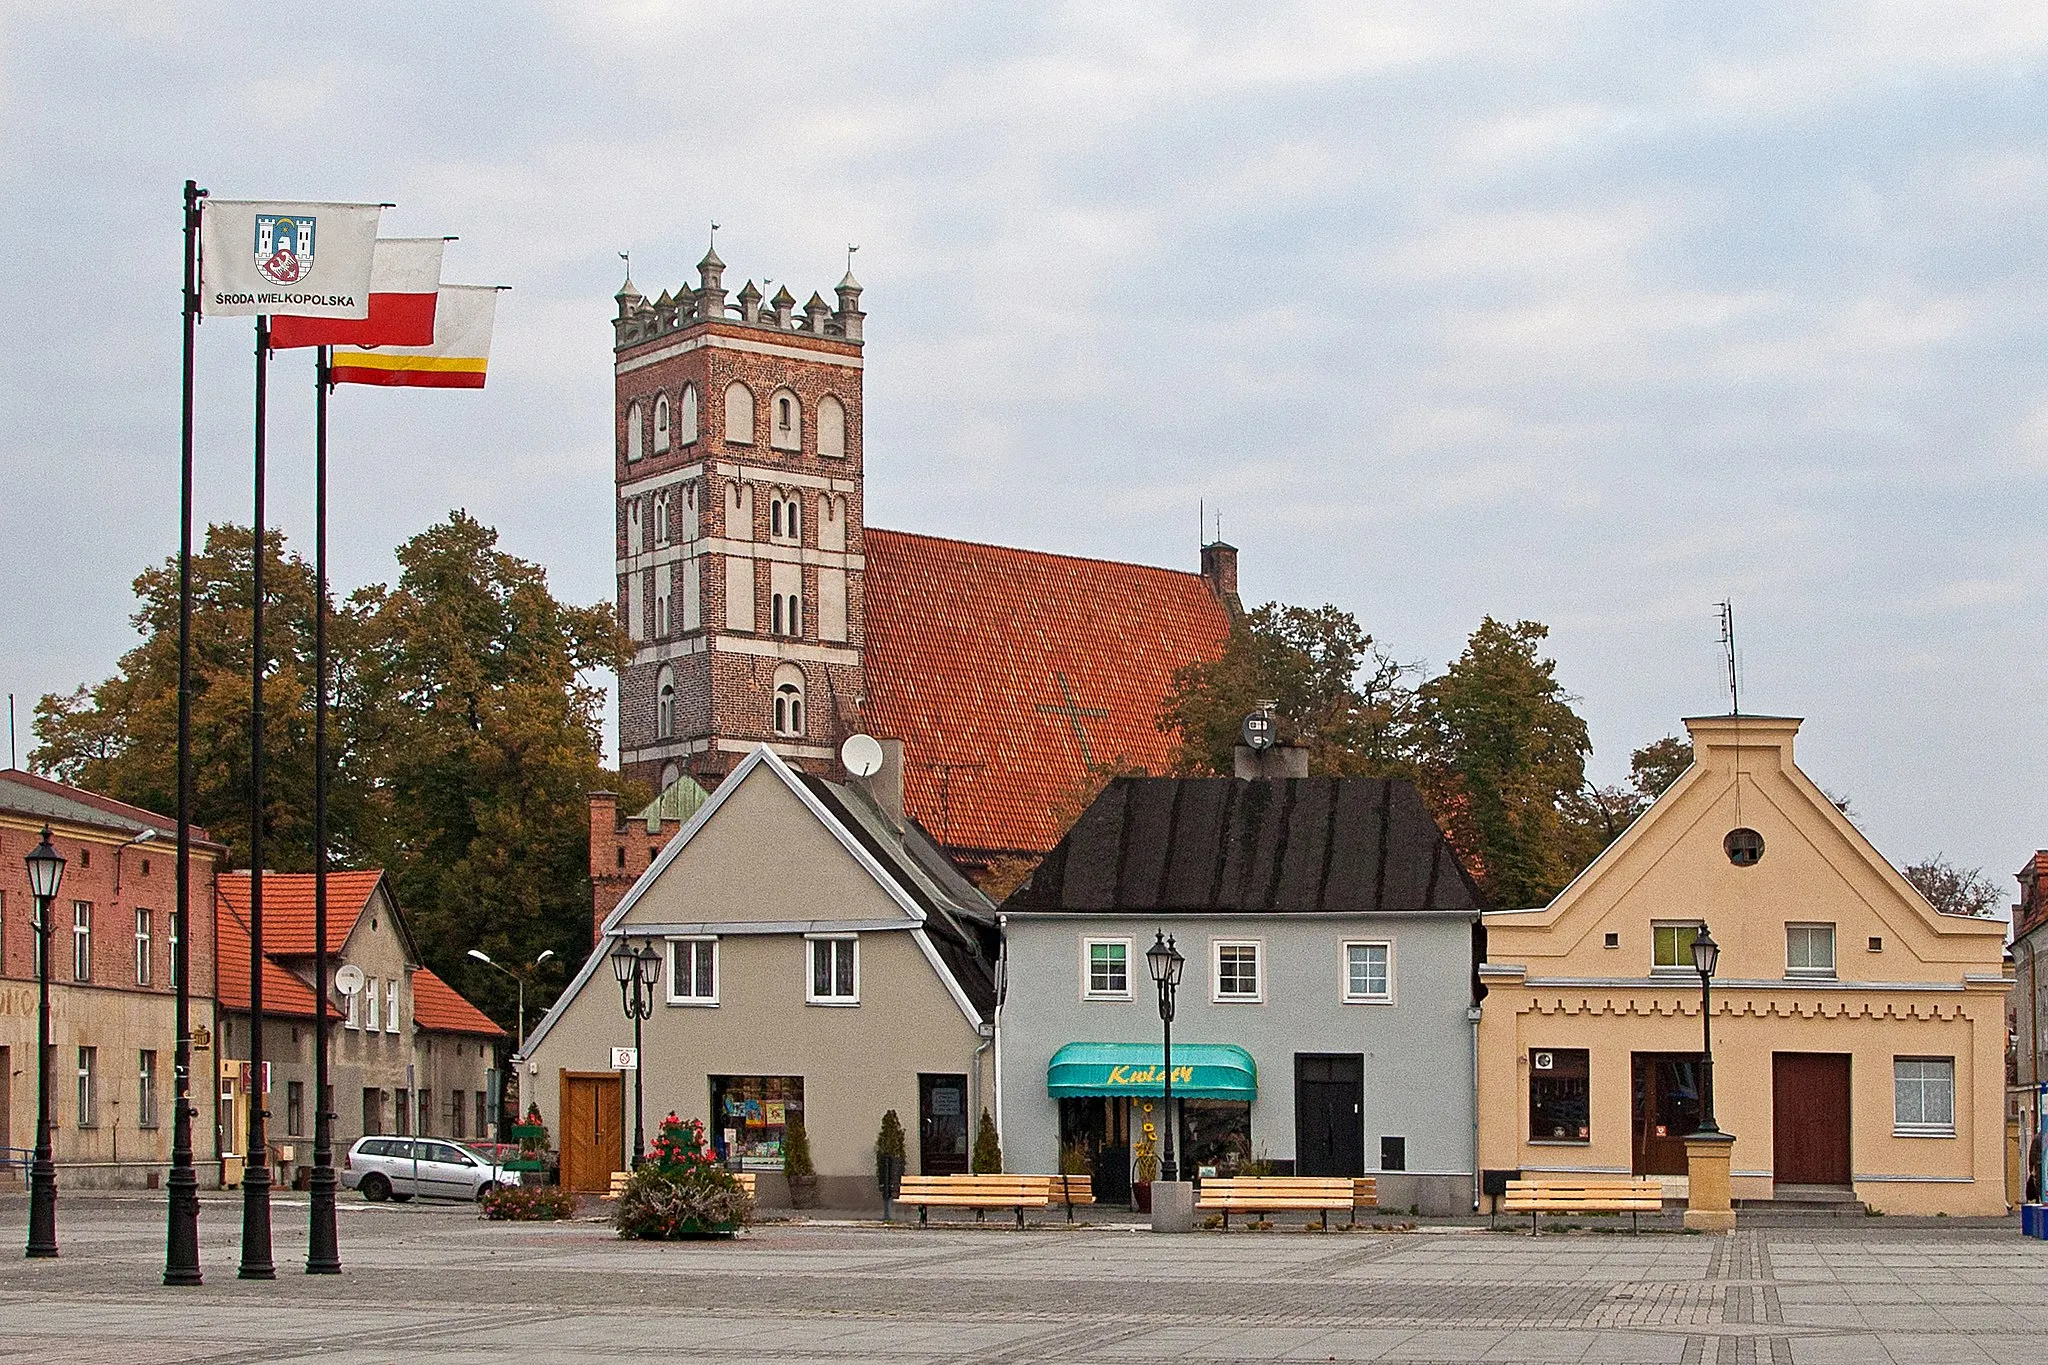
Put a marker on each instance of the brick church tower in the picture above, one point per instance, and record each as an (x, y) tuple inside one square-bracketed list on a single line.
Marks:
[(739, 542)]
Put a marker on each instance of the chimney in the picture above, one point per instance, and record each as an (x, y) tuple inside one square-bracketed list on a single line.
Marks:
[(2032, 910), (1219, 568), (885, 788), (1282, 760)]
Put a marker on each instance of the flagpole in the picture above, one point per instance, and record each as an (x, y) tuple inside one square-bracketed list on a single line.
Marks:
[(181, 1237), (323, 1252), (256, 1262)]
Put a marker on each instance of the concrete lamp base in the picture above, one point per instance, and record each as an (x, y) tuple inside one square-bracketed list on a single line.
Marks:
[(1708, 1207), (1173, 1206)]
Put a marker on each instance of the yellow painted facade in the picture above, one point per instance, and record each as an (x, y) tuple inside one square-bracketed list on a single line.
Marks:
[(1906, 997)]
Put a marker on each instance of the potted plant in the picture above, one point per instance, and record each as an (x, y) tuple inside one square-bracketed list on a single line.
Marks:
[(890, 1158), (796, 1164), (681, 1190), (988, 1149), (1144, 1170)]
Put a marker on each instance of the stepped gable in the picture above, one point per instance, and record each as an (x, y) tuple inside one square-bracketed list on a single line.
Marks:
[(1225, 845), (1008, 673)]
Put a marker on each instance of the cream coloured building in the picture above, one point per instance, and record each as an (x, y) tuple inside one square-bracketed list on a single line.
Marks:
[(820, 957), (1858, 1034)]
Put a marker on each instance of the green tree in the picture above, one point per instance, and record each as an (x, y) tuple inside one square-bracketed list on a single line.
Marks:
[(1654, 767), (1598, 815), (988, 1148), (1501, 757), (1332, 693), (483, 727)]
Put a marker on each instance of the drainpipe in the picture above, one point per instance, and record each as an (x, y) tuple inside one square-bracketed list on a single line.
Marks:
[(987, 1035), (996, 1029), (1472, 1014)]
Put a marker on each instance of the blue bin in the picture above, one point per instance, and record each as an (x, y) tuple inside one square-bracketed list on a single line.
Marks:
[(2034, 1220)]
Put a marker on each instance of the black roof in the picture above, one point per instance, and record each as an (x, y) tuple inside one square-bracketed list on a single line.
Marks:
[(1226, 845)]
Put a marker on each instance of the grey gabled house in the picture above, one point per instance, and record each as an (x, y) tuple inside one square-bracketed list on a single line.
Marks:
[(1326, 1019)]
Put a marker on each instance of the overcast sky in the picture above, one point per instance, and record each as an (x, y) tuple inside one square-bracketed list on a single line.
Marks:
[(1587, 313)]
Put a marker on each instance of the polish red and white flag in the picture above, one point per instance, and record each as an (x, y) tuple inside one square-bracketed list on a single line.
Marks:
[(405, 281)]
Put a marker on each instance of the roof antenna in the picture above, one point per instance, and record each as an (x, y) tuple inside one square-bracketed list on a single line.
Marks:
[(714, 238), (11, 764), (1201, 520), (1728, 646), (850, 249)]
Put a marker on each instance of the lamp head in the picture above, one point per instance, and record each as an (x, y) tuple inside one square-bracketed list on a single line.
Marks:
[(1164, 961), (624, 962), (1706, 954), (545, 954), (650, 963), (481, 956), (45, 869)]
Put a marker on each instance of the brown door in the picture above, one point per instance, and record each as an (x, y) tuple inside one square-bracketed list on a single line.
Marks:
[(942, 1125), (1667, 1108), (593, 1131), (1810, 1118)]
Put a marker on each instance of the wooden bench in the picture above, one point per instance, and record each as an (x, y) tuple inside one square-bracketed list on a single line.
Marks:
[(978, 1192), (1070, 1190), (619, 1179), (1274, 1193), (1365, 1194), (1609, 1194)]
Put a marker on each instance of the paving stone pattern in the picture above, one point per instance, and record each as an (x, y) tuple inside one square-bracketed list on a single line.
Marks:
[(430, 1282)]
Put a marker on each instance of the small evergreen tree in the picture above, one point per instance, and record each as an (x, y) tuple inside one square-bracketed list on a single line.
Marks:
[(988, 1148), (889, 1143), (796, 1148)]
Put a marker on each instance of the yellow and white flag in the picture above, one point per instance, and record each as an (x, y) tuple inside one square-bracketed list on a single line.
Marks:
[(463, 317)]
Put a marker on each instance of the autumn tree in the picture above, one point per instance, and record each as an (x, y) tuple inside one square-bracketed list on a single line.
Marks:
[(1501, 756), (1332, 692), (1955, 890), (1598, 815)]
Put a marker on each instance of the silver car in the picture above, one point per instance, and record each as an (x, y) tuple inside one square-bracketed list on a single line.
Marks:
[(397, 1168)]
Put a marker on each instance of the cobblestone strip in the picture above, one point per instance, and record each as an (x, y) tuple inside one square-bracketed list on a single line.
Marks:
[(1695, 1351)]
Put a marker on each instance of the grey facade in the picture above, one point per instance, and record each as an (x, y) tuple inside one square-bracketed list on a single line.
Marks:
[(1341, 907)]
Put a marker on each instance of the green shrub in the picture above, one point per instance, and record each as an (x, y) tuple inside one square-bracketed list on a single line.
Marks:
[(682, 1190), (796, 1149), (1074, 1160), (988, 1148), (889, 1143), (527, 1203)]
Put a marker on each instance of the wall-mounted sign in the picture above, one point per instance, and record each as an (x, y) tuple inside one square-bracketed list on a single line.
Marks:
[(625, 1059), (1543, 1061)]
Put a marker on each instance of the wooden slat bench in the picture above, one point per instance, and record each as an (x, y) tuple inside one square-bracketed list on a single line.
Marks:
[(619, 1179), (1070, 1190), (1365, 1194), (1275, 1193), (1595, 1194), (978, 1192)]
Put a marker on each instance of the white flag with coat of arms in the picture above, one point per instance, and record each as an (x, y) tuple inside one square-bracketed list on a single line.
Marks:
[(286, 259)]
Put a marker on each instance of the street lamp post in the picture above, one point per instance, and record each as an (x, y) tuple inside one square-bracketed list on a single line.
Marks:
[(1166, 964), (518, 1043), (1706, 956), (637, 969), (45, 875)]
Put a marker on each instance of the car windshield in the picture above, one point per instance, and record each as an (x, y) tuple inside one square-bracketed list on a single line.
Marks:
[(481, 1153)]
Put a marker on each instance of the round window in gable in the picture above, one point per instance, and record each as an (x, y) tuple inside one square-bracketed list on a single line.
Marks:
[(1745, 847)]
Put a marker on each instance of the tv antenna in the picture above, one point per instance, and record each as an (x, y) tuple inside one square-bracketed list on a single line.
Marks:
[(1728, 649)]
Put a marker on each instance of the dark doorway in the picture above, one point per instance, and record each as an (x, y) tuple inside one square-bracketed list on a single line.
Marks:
[(942, 1125), (1099, 1129), (1329, 1113), (1666, 1109), (1810, 1118)]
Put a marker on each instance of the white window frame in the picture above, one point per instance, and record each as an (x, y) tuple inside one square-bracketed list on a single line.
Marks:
[(676, 997), (145, 938), (811, 997), (391, 1006), (1826, 973), (81, 941), (1216, 947), (88, 1087), (145, 1088), (1675, 969), (355, 1008), (1088, 945), (1353, 997), (1922, 1128)]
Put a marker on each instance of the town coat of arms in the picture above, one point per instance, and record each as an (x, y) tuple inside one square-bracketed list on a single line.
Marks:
[(284, 247)]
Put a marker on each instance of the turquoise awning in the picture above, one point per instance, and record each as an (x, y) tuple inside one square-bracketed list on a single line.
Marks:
[(1201, 1071)]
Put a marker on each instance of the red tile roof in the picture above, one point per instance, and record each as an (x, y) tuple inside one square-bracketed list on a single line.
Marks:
[(437, 1006), (1022, 668), (288, 907), (283, 993)]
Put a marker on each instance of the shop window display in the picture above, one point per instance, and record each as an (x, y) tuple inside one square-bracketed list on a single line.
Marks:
[(749, 1117), (1559, 1109)]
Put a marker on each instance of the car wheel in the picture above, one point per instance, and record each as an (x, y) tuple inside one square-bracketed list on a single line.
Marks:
[(376, 1188), (485, 1189)]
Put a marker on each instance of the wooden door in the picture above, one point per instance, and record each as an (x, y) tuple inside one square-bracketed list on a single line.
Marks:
[(1810, 1118), (942, 1125), (593, 1131), (1329, 1114), (1667, 1109)]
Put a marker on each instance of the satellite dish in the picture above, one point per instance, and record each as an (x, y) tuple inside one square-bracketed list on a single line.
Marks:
[(349, 979), (1258, 731), (862, 755)]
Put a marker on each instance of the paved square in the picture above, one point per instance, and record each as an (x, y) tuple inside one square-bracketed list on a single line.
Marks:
[(433, 1283)]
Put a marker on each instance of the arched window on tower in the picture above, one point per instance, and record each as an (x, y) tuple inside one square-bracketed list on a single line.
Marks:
[(789, 701), (786, 431), (661, 510), (739, 414), (634, 418), (786, 517), (665, 704), (686, 416), (660, 423), (832, 429)]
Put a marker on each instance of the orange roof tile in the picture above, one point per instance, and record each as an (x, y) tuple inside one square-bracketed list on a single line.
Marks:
[(437, 1005), (1021, 668), (288, 907), (283, 993)]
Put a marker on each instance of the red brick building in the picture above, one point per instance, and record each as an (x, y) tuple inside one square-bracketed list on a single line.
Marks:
[(765, 610), (112, 993)]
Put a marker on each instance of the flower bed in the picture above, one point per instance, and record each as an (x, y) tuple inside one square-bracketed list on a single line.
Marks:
[(527, 1203), (681, 1191)]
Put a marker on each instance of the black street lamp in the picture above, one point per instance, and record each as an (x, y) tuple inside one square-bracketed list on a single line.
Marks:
[(637, 970), (45, 875), (1706, 955), (1166, 965)]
